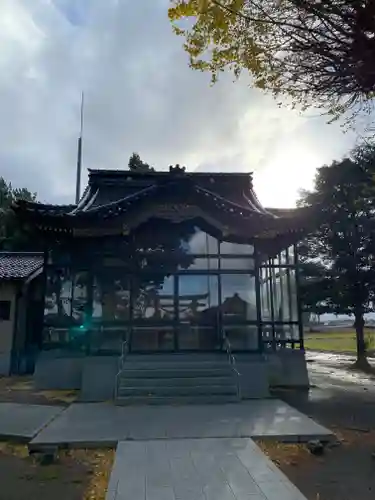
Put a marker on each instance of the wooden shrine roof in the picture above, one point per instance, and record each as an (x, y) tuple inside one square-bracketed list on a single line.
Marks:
[(224, 200)]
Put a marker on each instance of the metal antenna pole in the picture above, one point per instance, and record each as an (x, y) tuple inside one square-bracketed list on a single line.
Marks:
[(79, 155)]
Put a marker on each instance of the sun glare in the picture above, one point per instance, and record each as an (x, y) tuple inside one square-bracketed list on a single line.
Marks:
[(278, 183)]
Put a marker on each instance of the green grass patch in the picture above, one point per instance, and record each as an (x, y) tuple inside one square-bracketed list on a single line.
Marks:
[(336, 341)]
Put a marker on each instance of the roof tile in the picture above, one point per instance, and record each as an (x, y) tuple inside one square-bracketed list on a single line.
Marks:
[(19, 265)]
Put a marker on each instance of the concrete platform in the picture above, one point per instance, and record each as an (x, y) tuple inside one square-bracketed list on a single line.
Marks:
[(22, 421), (197, 469), (103, 424)]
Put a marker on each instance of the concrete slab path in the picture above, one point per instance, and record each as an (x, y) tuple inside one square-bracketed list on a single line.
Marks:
[(104, 424), (197, 469), (24, 421)]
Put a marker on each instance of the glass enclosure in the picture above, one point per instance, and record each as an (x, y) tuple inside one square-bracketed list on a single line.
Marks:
[(183, 292)]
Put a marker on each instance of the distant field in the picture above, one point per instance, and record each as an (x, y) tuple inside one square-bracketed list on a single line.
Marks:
[(336, 341)]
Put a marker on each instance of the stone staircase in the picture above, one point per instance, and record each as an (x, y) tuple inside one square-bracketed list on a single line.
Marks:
[(177, 379)]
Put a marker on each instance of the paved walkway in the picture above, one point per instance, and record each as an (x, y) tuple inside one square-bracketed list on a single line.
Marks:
[(197, 469), (23, 421), (104, 424)]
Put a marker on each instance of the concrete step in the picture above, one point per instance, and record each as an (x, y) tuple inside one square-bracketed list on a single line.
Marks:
[(174, 382), (177, 400), (173, 364), (175, 372), (178, 391), (178, 357)]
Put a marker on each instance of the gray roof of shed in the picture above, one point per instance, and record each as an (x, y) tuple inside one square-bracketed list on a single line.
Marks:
[(19, 265)]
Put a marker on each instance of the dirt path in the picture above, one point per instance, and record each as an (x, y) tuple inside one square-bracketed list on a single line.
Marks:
[(345, 402)]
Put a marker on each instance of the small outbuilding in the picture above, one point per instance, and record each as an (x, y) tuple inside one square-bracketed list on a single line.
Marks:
[(21, 310)]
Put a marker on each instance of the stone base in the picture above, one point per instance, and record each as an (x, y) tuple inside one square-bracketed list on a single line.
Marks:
[(287, 368), (4, 363), (95, 376), (99, 378), (56, 370), (253, 376)]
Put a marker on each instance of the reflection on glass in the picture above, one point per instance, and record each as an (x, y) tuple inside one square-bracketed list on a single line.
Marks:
[(281, 282), (66, 295), (242, 337), (72, 338), (265, 293), (280, 333), (236, 248), (154, 299), (200, 243), (155, 338), (238, 297), (198, 297), (245, 264), (198, 303), (201, 263), (79, 296), (293, 296), (111, 296), (58, 294), (106, 339), (197, 337)]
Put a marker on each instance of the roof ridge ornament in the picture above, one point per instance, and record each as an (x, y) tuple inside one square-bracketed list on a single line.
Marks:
[(177, 169)]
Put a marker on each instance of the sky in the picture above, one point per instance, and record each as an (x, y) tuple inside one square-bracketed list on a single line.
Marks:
[(140, 95)]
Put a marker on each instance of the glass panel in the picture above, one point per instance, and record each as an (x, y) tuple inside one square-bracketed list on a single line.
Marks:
[(242, 337), (106, 339), (291, 255), (58, 297), (79, 302), (265, 295), (200, 243), (238, 264), (111, 296), (154, 299), (287, 256), (236, 248), (282, 333), (198, 298), (72, 338), (284, 289), (284, 294), (283, 258), (267, 333), (293, 296), (155, 338), (194, 337), (202, 263), (238, 297), (198, 304)]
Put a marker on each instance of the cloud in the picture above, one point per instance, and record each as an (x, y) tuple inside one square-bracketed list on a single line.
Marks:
[(140, 96)]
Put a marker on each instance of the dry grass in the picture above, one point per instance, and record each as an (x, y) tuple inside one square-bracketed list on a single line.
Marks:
[(99, 463), (67, 397), (87, 471), (285, 453), (20, 389), (343, 472)]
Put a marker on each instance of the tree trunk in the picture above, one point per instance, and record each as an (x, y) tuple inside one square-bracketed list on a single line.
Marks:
[(359, 324)]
